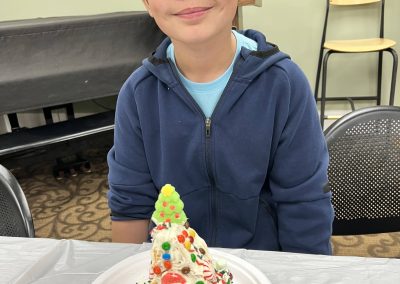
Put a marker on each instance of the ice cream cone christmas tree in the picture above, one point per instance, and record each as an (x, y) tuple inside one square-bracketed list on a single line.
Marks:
[(179, 255)]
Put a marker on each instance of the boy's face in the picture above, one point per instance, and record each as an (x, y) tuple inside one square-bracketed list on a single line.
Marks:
[(192, 21)]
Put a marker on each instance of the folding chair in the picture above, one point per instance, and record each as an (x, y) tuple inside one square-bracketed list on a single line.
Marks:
[(351, 46), (364, 171), (15, 216)]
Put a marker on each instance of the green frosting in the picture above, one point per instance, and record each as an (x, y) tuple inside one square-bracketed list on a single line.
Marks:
[(169, 207)]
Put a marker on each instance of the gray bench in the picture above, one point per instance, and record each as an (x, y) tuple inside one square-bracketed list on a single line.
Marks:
[(51, 63)]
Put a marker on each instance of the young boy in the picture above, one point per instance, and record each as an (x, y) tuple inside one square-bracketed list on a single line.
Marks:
[(231, 123)]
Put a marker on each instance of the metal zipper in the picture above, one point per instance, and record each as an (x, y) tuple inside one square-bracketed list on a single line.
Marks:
[(212, 181), (214, 200), (208, 127), (207, 121)]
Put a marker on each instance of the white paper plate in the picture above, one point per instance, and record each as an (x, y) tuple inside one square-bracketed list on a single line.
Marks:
[(135, 269)]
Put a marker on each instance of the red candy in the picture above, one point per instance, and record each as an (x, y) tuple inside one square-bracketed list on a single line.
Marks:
[(157, 270), (181, 238), (167, 264), (185, 233), (172, 278)]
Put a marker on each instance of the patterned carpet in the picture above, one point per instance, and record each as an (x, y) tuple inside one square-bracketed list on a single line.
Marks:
[(76, 208), (72, 208)]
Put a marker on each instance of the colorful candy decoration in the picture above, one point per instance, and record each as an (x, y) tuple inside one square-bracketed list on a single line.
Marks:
[(169, 207), (185, 270), (179, 255), (166, 246), (172, 278), (157, 270)]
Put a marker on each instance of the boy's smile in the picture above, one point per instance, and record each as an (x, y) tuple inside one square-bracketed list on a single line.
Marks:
[(193, 21), (193, 13)]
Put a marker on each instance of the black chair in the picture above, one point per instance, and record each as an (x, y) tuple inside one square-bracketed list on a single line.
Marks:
[(15, 216), (364, 171), (352, 46)]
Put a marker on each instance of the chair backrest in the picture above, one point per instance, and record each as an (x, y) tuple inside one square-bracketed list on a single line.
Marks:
[(15, 216), (364, 170), (352, 2)]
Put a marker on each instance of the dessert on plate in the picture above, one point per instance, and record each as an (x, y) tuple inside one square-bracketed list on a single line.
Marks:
[(179, 255)]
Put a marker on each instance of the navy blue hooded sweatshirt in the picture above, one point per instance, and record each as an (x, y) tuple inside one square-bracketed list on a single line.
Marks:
[(251, 176)]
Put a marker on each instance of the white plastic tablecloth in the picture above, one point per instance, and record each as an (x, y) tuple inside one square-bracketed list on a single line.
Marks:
[(24, 260)]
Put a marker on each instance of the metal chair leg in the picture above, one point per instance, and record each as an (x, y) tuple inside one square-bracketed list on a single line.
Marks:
[(379, 85), (323, 86), (351, 102), (318, 77), (394, 76), (321, 52)]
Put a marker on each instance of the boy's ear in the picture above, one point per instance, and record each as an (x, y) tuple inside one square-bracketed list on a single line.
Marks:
[(146, 4)]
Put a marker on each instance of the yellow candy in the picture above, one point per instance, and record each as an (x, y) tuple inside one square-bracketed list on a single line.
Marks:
[(188, 245), (192, 232), (167, 189)]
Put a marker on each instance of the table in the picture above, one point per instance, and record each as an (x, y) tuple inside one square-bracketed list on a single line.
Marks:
[(24, 260)]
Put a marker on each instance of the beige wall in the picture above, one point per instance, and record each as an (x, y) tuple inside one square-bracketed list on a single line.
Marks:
[(294, 25)]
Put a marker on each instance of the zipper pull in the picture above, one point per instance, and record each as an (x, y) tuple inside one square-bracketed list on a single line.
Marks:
[(208, 127)]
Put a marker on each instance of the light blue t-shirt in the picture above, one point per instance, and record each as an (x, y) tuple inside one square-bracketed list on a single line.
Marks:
[(207, 94)]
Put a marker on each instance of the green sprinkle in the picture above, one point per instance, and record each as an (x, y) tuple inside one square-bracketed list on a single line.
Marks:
[(166, 246)]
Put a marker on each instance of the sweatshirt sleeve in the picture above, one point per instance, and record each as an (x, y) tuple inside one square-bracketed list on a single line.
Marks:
[(298, 176), (131, 191)]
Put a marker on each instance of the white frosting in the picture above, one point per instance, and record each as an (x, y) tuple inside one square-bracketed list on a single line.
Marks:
[(181, 256)]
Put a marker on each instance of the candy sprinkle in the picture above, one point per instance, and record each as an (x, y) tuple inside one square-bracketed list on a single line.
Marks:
[(166, 256), (157, 270), (188, 245), (167, 264), (192, 232), (166, 246), (167, 190), (185, 270), (181, 238)]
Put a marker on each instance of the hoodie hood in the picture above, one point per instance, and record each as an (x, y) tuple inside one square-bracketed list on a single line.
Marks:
[(252, 63)]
